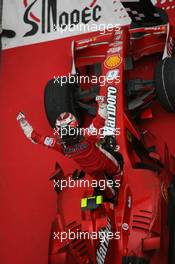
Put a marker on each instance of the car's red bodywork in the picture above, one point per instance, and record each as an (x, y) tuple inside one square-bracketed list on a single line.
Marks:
[(140, 215)]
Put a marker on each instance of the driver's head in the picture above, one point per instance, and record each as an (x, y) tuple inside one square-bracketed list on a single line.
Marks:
[(67, 127)]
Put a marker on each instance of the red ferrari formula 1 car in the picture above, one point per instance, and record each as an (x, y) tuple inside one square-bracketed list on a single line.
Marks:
[(137, 226)]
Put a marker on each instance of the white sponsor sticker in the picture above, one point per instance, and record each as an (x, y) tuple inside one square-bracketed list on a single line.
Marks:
[(48, 141), (118, 32), (112, 75), (115, 44), (100, 98), (129, 201), (102, 250), (114, 50), (110, 127), (118, 37)]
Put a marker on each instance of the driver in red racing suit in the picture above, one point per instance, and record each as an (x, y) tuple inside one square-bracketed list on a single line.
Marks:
[(81, 148)]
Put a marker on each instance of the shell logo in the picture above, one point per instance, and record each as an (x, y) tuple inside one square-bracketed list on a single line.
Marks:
[(113, 61)]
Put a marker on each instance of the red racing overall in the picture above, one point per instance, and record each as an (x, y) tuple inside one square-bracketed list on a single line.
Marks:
[(91, 158)]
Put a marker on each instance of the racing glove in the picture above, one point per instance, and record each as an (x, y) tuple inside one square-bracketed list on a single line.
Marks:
[(26, 127)]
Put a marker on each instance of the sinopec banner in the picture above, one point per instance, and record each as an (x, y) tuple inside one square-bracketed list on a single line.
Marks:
[(43, 20)]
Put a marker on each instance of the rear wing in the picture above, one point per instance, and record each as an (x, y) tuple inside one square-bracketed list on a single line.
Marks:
[(95, 49)]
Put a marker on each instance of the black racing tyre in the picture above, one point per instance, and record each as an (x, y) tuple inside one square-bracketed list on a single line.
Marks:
[(165, 83), (58, 99)]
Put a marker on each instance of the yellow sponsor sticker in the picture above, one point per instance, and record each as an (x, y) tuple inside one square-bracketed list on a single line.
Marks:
[(113, 61)]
